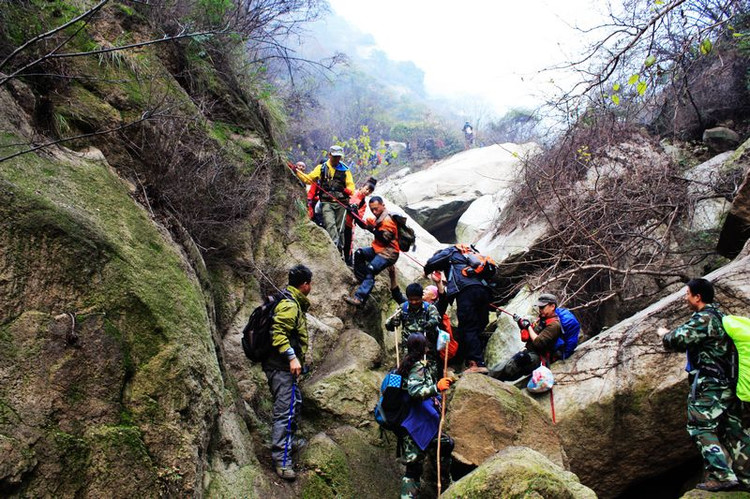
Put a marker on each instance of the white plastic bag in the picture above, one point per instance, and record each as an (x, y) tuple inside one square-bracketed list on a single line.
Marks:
[(443, 339), (541, 380)]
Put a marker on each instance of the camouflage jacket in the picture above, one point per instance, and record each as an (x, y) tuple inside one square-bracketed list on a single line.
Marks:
[(709, 348), (424, 319), (421, 383)]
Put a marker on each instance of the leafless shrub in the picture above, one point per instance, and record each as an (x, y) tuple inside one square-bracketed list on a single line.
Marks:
[(208, 188), (618, 209)]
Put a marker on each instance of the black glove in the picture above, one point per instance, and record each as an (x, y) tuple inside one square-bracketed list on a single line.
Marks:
[(353, 209), (524, 323)]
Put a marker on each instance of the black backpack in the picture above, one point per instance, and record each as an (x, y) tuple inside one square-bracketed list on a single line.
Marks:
[(256, 337), (406, 236), (393, 405)]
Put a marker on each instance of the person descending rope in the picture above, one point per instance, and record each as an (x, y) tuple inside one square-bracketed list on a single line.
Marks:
[(336, 185), (369, 262), (358, 204)]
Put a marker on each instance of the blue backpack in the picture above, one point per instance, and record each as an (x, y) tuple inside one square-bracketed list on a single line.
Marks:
[(571, 328), (393, 405)]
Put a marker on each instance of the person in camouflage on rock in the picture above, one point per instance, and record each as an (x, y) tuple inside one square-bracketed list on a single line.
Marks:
[(420, 427), (415, 316), (714, 411)]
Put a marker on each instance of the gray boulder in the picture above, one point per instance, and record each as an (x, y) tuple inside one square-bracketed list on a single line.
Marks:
[(621, 395), (486, 415), (721, 138)]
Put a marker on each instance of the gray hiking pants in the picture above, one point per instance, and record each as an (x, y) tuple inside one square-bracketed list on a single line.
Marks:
[(284, 424), (333, 221)]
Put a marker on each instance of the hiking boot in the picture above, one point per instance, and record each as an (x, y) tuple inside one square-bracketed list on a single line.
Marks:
[(286, 473), (474, 367), (353, 300), (716, 486), (409, 488)]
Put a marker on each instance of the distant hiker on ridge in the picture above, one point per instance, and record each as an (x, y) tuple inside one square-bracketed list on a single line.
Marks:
[(369, 262), (714, 413), (468, 135)]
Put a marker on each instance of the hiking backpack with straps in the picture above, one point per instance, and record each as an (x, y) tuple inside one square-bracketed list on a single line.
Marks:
[(738, 364), (256, 336), (738, 329), (477, 265), (406, 236), (393, 405), (571, 329)]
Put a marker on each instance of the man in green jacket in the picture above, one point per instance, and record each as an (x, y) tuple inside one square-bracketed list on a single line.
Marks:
[(284, 365), (714, 412)]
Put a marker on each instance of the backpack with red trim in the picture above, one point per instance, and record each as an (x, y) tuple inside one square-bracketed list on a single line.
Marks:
[(478, 265)]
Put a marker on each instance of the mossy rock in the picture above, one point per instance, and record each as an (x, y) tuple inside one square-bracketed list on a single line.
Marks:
[(72, 241), (343, 463), (519, 472)]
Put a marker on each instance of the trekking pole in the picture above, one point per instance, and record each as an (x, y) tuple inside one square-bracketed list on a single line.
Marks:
[(395, 339), (440, 426), (289, 424), (551, 393), (500, 309)]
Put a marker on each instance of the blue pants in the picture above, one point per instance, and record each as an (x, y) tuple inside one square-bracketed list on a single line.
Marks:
[(367, 264)]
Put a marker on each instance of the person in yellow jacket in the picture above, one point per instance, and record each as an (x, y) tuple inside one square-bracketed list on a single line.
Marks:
[(337, 184), (284, 365)]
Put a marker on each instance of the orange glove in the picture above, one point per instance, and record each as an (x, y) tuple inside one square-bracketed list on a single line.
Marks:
[(444, 384)]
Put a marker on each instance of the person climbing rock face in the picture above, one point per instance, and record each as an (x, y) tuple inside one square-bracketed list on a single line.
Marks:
[(384, 251), (357, 205), (714, 413)]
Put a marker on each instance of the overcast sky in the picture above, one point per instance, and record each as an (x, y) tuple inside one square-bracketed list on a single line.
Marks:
[(489, 48)]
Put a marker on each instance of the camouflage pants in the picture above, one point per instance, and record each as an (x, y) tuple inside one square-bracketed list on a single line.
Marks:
[(715, 424), (413, 457)]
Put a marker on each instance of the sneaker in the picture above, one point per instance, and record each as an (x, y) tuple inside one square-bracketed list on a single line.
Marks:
[(716, 486), (353, 300), (476, 368), (286, 473)]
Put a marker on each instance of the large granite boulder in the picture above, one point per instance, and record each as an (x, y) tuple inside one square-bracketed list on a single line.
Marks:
[(436, 197), (721, 138), (621, 395), (519, 472), (478, 218), (486, 415), (506, 337), (736, 229)]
